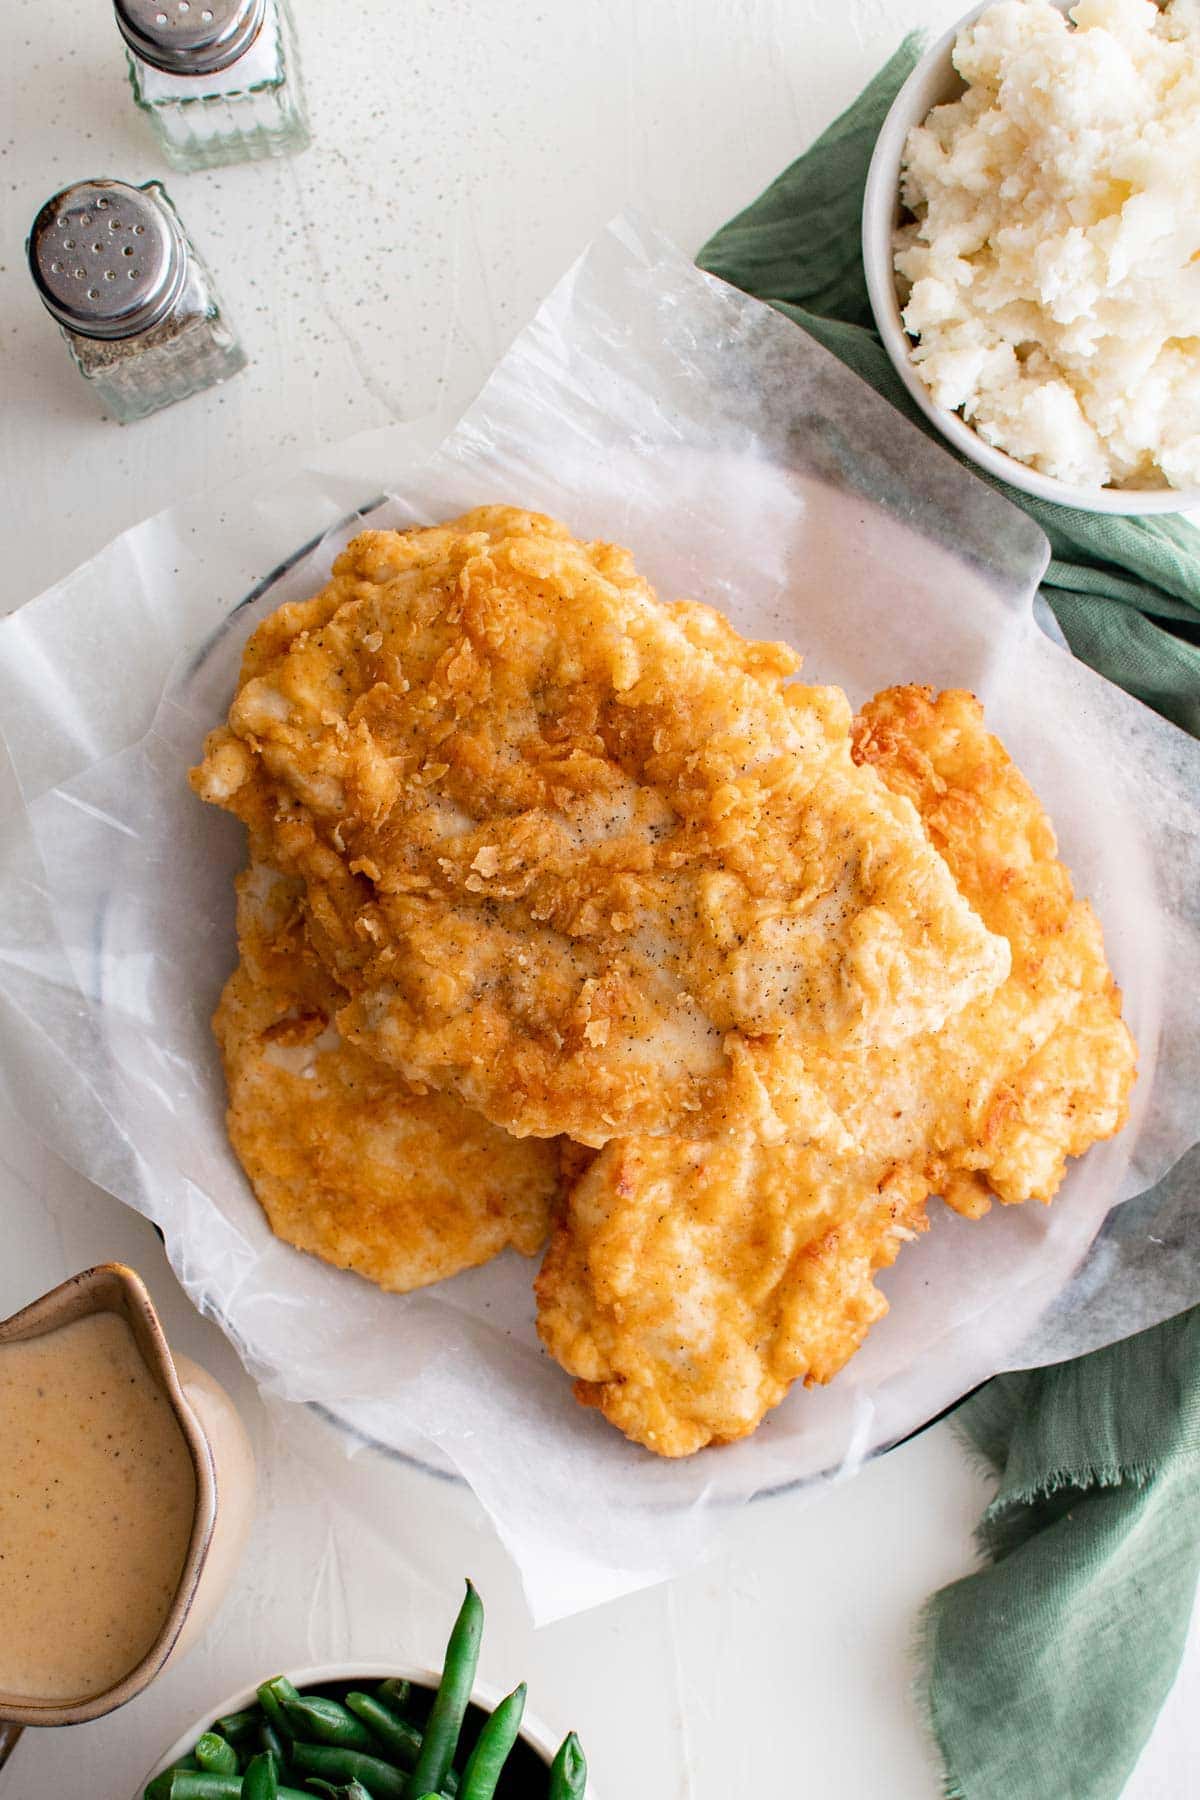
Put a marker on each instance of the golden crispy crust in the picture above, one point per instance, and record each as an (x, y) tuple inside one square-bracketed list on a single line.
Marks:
[(345, 1159), (576, 856), (692, 1283), (1045, 1068), (689, 1284)]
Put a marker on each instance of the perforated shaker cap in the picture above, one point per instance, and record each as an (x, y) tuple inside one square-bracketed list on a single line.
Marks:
[(190, 37), (108, 260)]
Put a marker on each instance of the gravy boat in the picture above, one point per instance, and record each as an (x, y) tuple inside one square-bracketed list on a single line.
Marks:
[(222, 1462)]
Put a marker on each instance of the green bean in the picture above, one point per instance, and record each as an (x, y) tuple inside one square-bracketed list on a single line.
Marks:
[(161, 1782), (261, 1780), (452, 1699), (380, 1778), (198, 1784), (238, 1725), (273, 1710), (215, 1754), (400, 1739), (492, 1747), (275, 1746), (281, 1692), (160, 1787), (349, 1790), (568, 1771), (313, 1716), (394, 1692)]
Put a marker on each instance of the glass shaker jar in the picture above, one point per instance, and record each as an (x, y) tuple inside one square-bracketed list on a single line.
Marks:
[(219, 80), (134, 302)]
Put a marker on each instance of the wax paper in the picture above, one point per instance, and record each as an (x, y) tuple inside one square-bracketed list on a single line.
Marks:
[(649, 404)]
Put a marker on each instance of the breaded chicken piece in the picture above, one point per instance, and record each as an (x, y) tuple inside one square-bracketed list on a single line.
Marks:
[(345, 1159), (689, 1284), (1046, 1067), (576, 856)]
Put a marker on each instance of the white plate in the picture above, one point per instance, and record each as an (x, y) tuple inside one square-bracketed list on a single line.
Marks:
[(951, 1345)]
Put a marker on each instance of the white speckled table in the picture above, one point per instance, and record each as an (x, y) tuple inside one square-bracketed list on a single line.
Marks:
[(463, 155)]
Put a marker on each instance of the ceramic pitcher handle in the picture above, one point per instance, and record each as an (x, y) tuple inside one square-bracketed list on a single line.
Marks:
[(8, 1740)]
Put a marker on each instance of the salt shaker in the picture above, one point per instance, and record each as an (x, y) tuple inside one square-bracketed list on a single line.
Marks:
[(136, 305), (219, 80)]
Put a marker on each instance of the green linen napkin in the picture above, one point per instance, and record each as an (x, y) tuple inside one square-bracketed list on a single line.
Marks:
[(1043, 1673)]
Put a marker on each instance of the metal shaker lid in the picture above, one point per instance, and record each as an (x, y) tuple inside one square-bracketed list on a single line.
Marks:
[(190, 37), (108, 260)]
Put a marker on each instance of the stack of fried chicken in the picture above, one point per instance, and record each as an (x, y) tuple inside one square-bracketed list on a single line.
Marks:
[(574, 914)]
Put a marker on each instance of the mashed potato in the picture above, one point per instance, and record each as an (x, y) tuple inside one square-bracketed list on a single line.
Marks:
[(1054, 261)]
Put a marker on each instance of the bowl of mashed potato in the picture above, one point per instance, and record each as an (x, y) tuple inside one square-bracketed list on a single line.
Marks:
[(1031, 238)]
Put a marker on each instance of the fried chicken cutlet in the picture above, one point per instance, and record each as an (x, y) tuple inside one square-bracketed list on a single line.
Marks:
[(345, 1159), (577, 857), (690, 1284), (1045, 1068)]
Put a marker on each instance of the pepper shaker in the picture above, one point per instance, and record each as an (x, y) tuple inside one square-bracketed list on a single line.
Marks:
[(219, 80), (113, 265)]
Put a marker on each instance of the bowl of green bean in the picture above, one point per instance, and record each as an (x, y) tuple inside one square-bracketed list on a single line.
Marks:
[(371, 1731)]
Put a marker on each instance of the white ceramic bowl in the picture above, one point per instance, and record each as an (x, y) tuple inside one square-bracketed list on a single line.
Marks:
[(932, 83), (533, 1732)]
